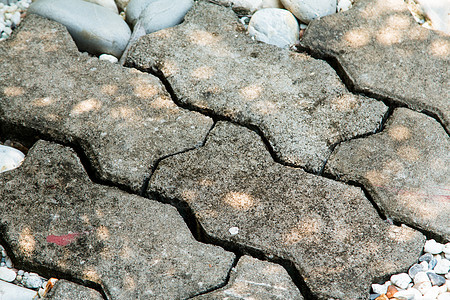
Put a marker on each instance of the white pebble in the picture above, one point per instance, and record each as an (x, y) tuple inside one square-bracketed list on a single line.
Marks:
[(107, 57), (15, 18), (10, 158), (7, 274), (421, 277), (344, 5), (442, 266), (423, 287), (8, 262), (424, 264), (432, 293), (233, 230), (433, 247), (20, 272), (379, 288), (409, 294), (444, 296), (401, 280), (308, 10)]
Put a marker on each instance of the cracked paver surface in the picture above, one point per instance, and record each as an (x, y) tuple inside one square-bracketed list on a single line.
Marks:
[(383, 51), (66, 290), (328, 229), (406, 168), (223, 184), (298, 102), (101, 234), (48, 86)]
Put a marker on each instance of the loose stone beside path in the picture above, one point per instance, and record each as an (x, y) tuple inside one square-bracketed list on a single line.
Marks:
[(133, 247), (123, 119), (406, 169), (297, 102), (329, 230), (255, 279), (383, 51)]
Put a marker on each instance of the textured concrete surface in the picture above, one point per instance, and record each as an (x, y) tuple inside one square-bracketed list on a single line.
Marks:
[(329, 230), (123, 119), (66, 290), (406, 169), (383, 51), (298, 102), (133, 247), (255, 279)]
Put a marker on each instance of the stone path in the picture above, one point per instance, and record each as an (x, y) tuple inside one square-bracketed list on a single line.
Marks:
[(214, 166)]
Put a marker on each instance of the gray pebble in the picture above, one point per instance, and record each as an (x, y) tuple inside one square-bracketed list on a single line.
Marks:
[(432, 264), (416, 268), (426, 257), (436, 279), (374, 296)]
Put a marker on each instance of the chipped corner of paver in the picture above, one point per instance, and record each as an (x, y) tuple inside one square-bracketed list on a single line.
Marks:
[(384, 52), (328, 230), (122, 119), (405, 168), (130, 246)]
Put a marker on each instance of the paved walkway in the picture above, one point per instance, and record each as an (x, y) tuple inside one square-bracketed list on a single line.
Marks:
[(214, 166)]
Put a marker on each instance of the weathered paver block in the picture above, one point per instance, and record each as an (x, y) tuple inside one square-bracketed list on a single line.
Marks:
[(385, 52), (66, 290), (255, 279), (123, 119), (53, 217), (328, 229), (299, 103), (406, 168)]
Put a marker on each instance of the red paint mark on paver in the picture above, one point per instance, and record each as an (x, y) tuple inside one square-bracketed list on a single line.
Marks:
[(62, 240)]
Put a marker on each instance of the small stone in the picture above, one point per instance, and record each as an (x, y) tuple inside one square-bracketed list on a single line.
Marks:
[(41, 292), (424, 265), (379, 288), (33, 281), (10, 158), (20, 272), (308, 10), (391, 290), (421, 277), (107, 57), (19, 278), (433, 247), (3, 250), (344, 5), (432, 264), (274, 26), (14, 292), (15, 18), (401, 280), (436, 279), (382, 297), (7, 274), (234, 230), (8, 262), (374, 296), (416, 268), (444, 296), (442, 266), (432, 293), (423, 287), (409, 294)]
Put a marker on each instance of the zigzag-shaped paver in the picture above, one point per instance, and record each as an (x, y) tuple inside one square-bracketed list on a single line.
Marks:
[(54, 218), (383, 51), (298, 102), (123, 119), (329, 230), (406, 168)]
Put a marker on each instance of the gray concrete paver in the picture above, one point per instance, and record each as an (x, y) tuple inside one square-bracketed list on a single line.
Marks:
[(66, 290), (383, 51), (329, 230), (123, 119), (55, 218), (298, 102), (406, 169)]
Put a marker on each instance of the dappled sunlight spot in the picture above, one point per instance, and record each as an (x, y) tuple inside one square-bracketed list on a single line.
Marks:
[(86, 106), (41, 102), (27, 243), (266, 107), (109, 89), (238, 200), (208, 213), (169, 67), (203, 38), (440, 48), (415, 202), (408, 153), (143, 89), (392, 168), (162, 102), (389, 36), (204, 72), (251, 92), (357, 37), (401, 234), (124, 113), (190, 195), (89, 273), (419, 35), (376, 178), (52, 117), (399, 22), (306, 229), (383, 6), (102, 232), (13, 91), (129, 283), (345, 103), (399, 133)]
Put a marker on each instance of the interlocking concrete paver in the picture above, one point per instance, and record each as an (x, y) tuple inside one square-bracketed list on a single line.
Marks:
[(329, 230), (255, 279), (406, 168), (54, 217), (66, 290), (123, 119), (298, 102), (383, 51)]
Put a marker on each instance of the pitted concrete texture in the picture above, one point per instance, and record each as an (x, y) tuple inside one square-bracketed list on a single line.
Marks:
[(124, 120), (54, 217), (329, 230), (297, 102), (383, 51), (255, 279), (66, 290), (406, 168)]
